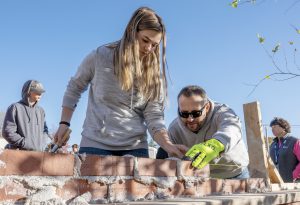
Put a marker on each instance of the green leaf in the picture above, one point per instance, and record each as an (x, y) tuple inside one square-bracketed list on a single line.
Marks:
[(234, 3), (260, 39), (291, 42), (276, 48), (296, 29), (268, 77)]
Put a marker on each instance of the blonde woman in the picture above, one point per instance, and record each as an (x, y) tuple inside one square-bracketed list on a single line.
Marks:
[(127, 92)]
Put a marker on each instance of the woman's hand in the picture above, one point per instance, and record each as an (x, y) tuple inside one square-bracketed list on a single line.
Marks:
[(59, 138), (174, 150)]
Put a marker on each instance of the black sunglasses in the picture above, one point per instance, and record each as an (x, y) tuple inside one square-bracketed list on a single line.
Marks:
[(194, 113)]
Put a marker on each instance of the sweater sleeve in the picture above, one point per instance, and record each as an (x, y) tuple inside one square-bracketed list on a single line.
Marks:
[(228, 128), (154, 117), (80, 82), (296, 151), (9, 130)]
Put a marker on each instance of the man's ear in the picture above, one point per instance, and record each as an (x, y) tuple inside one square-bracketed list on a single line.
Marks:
[(207, 107)]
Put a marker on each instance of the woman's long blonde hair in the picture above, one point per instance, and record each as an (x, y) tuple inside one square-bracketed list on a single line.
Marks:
[(150, 81)]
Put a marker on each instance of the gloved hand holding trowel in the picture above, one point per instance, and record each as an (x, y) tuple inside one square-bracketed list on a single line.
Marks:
[(201, 154)]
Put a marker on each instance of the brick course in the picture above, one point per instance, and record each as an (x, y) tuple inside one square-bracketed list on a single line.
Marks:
[(109, 179)]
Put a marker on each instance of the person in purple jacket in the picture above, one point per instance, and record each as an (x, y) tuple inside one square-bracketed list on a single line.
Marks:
[(285, 150)]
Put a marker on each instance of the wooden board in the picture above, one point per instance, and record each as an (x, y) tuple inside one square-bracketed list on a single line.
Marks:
[(258, 163), (273, 173)]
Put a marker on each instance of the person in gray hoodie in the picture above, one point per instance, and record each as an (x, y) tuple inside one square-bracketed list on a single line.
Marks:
[(24, 125), (212, 131), (127, 92)]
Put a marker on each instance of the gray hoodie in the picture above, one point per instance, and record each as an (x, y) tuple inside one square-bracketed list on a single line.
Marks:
[(115, 119), (224, 125), (24, 126)]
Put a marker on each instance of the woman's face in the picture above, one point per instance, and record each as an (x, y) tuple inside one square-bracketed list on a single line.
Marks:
[(148, 41), (278, 131)]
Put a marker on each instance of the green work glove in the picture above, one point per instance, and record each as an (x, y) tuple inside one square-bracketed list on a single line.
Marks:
[(201, 154)]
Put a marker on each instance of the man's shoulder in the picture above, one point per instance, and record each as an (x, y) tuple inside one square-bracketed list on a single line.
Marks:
[(174, 124), (15, 105), (222, 108)]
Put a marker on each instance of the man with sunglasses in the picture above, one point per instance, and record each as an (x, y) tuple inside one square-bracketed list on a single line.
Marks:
[(212, 131)]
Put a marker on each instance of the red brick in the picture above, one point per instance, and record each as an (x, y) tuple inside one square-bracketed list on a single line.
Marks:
[(24, 163), (77, 187), (58, 164), (130, 189), (124, 166), (71, 188), (188, 170), (107, 166), (209, 187), (98, 190), (179, 190), (156, 167), (234, 186), (221, 186), (3, 160), (256, 183), (12, 191), (94, 165)]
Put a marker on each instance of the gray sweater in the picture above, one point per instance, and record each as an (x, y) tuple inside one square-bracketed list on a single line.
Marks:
[(115, 119), (224, 125), (24, 126)]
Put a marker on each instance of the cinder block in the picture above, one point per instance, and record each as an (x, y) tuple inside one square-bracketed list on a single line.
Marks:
[(156, 167)]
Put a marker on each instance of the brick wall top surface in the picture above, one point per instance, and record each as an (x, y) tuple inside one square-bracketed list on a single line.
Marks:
[(31, 163)]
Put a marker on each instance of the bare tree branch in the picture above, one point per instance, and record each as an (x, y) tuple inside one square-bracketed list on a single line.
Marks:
[(287, 76), (295, 62), (291, 6), (272, 58)]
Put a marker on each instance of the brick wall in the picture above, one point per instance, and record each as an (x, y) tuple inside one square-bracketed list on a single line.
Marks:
[(38, 177)]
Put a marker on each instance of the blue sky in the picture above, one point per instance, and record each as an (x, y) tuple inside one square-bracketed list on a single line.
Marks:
[(209, 44)]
